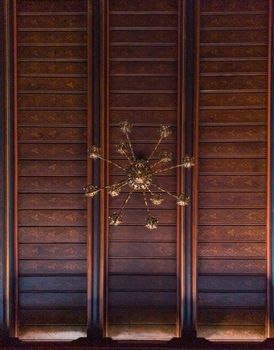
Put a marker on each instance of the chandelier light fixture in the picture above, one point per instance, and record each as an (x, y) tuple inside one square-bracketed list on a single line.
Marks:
[(139, 176)]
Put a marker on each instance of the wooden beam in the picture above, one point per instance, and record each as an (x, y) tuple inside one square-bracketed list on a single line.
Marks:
[(270, 179), (6, 173), (3, 325), (95, 312), (189, 327), (91, 106)]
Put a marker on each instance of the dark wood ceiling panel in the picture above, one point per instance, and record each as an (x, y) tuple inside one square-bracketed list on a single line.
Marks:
[(232, 114), (52, 89), (142, 61)]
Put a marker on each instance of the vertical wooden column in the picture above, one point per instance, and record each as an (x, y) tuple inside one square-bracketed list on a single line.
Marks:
[(270, 180), (3, 326), (188, 249), (6, 172), (96, 216)]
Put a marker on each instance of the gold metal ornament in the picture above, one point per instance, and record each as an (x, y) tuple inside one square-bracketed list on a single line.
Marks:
[(188, 162), (91, 191), (94, 152), (183, 200), (152, 223), (139, 175), (156, 199), (115, 219)]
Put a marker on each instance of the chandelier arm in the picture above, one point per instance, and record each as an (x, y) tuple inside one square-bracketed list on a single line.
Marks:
[(156, 147), (121, 184), (115, 184), (125, 203), (164, 191), (169, 168), (130, 146), (128, 158), (149, 190), (111, 162), (146, 203), (156, 163)]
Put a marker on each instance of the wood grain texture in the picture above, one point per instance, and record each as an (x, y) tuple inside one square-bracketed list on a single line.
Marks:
[(232, 198), (232, 283), (50, 267), (233, 6), (56, 317), (221, 51), (215, 21), (232, 267), (53, 52), (53, 117), (233, 333), (53, 234), (231, 115), (53, 283), (52, 141), (148, 315), (231, 317), (51, 68)]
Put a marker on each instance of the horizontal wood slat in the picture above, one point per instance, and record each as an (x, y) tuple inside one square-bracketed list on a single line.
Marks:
[(52, 267), (56, 317), (220, 51), (232, 233), (48, 69), (53, 234), (148, 316), (232, 200), (233, 333), (52, 117), (52, 251), (232, 267), (52, 184), (235, 115), (154, 332), (142, 266), (50, 300), (137, 233), (233, 6), (54, 284), (51, 333), (52, 52), (232, 283)]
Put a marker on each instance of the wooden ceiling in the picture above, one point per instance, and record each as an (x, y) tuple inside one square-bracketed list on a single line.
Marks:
[(79, 68)]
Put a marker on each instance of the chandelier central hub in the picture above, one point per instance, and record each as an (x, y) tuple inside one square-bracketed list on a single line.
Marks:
[(139, 176)]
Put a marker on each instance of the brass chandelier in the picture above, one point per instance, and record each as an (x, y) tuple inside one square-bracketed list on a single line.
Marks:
[(139, 176)]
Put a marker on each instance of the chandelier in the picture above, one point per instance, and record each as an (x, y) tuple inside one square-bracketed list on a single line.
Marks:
[(139, 176)]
